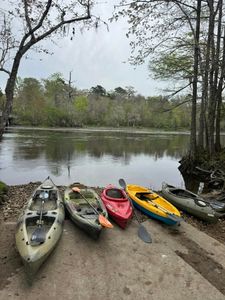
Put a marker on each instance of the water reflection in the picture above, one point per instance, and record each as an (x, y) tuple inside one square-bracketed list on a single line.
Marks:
[(58, 146), (94, 158)]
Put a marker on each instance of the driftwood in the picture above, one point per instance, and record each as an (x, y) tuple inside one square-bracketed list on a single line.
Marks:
[(217, 180), (213, 179)]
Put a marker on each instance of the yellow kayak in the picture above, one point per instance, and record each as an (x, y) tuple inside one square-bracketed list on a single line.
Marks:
[(153, 205)]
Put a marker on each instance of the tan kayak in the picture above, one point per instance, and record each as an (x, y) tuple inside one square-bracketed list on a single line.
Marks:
[(85, 213), (39, 227)]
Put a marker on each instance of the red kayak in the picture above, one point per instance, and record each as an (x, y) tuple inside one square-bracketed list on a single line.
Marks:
[(117, 205)]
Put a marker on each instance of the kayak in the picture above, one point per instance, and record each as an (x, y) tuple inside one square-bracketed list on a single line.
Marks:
[(82, 213), (153, 205), (117, 205), (193, 204), (40, 225)]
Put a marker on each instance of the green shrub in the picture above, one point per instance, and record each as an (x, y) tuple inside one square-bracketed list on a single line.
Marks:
[(3, 188)]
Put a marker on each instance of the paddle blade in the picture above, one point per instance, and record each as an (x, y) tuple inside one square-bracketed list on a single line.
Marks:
[(144, 235), (76, 189), (104, 222), (38, 236), (122, 183)]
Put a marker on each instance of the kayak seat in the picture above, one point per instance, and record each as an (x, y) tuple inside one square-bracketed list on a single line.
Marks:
[(83, 211), (53, 195), (181, 193), (142, 197), (90, 211), (44, 212), (114, 193)]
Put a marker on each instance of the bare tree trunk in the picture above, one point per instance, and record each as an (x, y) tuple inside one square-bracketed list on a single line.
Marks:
[(9, 92), (193, 143), (219, 99), (202, 127), (212, 95)]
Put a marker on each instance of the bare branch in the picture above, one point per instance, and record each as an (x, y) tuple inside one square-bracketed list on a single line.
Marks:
[(178, 91), (5, 71), (32, 31), (175, 106), (27, 18)]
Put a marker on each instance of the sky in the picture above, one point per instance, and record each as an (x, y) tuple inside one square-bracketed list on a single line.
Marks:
[(96, 57)]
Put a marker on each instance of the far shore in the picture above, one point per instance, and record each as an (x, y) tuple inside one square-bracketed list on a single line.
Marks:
[(107, 129), (103, 129)]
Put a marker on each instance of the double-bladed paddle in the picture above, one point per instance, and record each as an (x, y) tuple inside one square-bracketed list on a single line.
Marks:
[(170, 215), (38, 236), (102, 220), (142, 231)]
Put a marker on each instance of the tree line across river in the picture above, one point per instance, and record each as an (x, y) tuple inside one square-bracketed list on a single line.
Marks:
[(54, 102)]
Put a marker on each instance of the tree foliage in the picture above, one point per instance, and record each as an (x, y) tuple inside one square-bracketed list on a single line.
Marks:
[(35, 105), (184, 41), (24, 24)]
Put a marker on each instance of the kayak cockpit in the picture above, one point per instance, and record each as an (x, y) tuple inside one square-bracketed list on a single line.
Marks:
[(48, 196), (31, 224), (114, 194), (82, 208)]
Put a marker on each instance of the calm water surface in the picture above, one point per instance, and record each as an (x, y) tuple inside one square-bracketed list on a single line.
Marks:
[(91, 157)]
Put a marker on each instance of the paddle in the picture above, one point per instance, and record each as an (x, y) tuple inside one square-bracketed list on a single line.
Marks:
[(38, 236), (102, 220), (170, 215), (142, 231)]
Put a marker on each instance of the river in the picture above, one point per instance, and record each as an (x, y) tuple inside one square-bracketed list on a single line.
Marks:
[(92, 157)]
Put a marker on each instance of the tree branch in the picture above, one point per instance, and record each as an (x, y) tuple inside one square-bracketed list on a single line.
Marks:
[(24, 48), (181, 89), (27, 18), (4, 70), (175, 106)]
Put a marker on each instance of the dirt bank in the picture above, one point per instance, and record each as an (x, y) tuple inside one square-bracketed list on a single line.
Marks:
[(18, 195)]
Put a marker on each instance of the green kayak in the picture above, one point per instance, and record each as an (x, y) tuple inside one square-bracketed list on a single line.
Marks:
[(84, 214), (193, 204), (39, 227)]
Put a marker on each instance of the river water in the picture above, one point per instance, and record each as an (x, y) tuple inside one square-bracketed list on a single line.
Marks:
[(92, 157)]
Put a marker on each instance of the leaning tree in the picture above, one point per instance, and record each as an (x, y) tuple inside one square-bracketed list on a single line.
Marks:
[(24, 24)]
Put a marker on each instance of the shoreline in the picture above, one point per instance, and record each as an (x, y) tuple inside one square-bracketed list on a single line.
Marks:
[(18, 195), (106, 129), (103, 129)]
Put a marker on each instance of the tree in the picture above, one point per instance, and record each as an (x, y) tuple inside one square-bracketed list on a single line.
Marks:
[(195, 53), (29, 101), (35, 20), (119, 92), (98, 90), (56, 90)]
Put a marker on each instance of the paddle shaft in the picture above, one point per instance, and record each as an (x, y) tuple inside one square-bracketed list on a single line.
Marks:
[(171, 215), (41, 213), (38, 236), (159, 206), (163, 209), (142, 231), (123, 185), (89, 203), (131, 202)]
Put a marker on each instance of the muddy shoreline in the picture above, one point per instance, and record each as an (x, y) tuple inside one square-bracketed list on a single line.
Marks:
[(18, 196)]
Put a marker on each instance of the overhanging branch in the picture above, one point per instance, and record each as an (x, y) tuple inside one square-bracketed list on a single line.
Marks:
[(175, 106), (4, 70)]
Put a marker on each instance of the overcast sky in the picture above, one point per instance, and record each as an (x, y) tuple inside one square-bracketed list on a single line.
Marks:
[(94, 57)]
